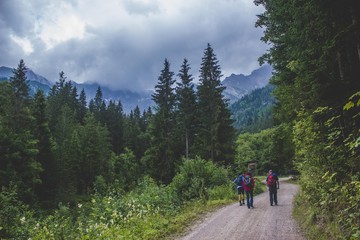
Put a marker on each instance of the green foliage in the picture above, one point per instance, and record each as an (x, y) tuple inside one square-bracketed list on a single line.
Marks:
[(196, 176), (253, 112), (329, 174), (222, 192), (186, 109), (313, 53), (16, 218), (18, 142), (215, 133), (126, 169), (271, 148), (161, 153)]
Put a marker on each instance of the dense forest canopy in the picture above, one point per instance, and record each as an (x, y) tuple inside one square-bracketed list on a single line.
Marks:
[(315, 53), (56, 147)]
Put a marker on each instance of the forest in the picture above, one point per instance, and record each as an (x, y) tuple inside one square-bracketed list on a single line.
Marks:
[(83, 171), (60, 151), (315, 53)]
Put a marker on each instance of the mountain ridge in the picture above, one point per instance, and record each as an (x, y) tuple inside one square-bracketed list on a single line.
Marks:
[(239, 85), (236, 86)]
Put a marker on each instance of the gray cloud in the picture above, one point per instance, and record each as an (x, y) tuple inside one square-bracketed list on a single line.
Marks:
[(126, 48)]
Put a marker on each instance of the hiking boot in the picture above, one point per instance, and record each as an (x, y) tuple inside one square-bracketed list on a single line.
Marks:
[(240, 204)]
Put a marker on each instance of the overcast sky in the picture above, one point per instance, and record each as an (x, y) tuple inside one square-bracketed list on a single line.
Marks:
[(123, 43)]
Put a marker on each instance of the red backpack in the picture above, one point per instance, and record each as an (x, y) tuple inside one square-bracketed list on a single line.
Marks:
[(271, 180)]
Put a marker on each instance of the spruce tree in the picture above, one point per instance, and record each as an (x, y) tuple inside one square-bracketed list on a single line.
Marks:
[(114, 119), (215, 139), (46, 191), (22, 167), (82, 110), (186, 107), (160, 156)]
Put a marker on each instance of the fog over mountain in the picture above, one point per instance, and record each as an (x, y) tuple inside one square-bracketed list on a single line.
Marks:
[(236, 87)]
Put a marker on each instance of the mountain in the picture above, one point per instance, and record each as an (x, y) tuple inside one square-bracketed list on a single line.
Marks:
[(253, 112), (129, 99), (238, 86), (6, 73)]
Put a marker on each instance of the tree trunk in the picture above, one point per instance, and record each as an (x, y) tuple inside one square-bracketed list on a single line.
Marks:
[(341, 72)]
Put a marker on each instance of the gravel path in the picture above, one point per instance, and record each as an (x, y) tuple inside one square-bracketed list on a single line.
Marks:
[(262, 222)]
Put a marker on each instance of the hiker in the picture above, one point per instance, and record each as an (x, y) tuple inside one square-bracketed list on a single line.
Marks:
[(249, 185), (272, 182), (240, 188)]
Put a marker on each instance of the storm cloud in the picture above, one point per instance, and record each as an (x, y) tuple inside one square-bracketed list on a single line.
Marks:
[(122, 44)]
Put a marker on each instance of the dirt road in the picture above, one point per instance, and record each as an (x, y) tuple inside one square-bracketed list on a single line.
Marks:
[(262, 222)]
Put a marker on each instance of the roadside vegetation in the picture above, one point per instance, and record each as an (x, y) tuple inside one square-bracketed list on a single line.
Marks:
[(150, 211), (316, 60)]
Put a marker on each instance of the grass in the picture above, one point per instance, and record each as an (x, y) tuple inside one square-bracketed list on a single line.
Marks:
[(306, 219)]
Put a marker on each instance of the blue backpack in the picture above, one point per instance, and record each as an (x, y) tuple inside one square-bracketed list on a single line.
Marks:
[(238, 181)]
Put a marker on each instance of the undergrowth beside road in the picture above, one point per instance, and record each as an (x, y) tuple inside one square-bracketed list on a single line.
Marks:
[(325, 223), (150, 211)]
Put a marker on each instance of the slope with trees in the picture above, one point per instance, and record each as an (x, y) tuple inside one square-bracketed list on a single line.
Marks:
[(316, 59), (57, 154)]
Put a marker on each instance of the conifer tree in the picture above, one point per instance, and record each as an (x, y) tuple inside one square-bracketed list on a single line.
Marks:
[(215, 138), (22, 167), (114, 119), (160, 157), (186, 107), (46, 191), (82, 110)]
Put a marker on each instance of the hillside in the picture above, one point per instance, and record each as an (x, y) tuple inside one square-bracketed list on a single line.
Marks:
[(240, 85), (129, 99), (253, 112), (237, 86)]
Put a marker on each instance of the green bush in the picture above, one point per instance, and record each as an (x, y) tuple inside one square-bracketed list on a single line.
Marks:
[(15, 216), (196, 177)]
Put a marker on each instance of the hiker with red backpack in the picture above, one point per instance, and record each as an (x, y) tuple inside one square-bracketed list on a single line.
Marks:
[(272, 181), (249, 185)]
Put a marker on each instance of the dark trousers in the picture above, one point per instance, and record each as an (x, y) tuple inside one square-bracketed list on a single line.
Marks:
[(273, 195), (250, 198)]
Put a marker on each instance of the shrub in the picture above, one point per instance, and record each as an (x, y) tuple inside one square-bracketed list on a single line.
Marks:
[(15, 216), (196, 177)]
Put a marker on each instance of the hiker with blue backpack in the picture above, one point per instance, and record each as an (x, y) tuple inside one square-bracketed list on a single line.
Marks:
[(272, 182), (240, 188), (249, 185)]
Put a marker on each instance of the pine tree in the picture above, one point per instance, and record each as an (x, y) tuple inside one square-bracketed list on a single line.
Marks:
[(82, 110), (22, 167), (186, 107), (46, 191), (215, 138), (161, 156), (114, 119)]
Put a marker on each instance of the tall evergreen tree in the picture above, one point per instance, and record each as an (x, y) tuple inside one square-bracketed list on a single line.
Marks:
[(46, 191), (82, 107), (160, 156), (21, 165), (186, 107), (114, 119), (94, 161), (215, 138)]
